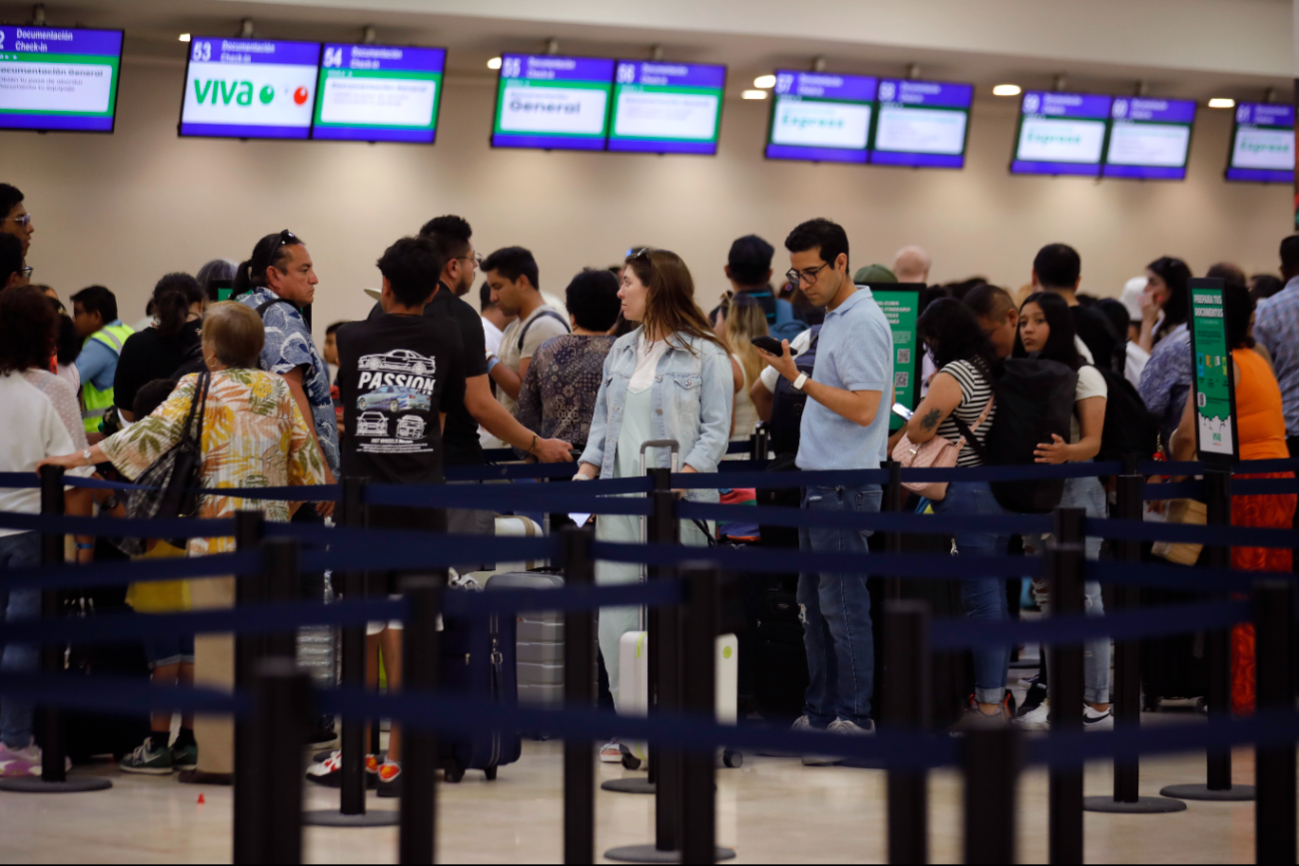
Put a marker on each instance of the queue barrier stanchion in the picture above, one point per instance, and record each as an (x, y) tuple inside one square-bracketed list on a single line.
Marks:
[(419, 747), (1126, 694), (282, 699), (894, 496), (907, 658), (759, 443), (991, 761), (1274, 765), (54, 775), (579, 692), (1065, 563), (1218, 786), (352, 812), (250, 650)]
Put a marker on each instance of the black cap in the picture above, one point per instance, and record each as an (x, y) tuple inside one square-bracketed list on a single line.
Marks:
[(750, 259)]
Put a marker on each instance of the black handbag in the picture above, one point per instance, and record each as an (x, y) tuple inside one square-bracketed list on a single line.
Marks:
[(172, 481)]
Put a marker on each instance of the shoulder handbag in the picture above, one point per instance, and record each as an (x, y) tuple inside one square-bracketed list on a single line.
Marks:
[(938, 453), (172, 481)]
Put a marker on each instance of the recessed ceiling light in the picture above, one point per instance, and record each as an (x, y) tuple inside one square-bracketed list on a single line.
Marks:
[(184, 37), (1222, 102), (765, 81), (1006, 90), (494, 63), (754, 94)]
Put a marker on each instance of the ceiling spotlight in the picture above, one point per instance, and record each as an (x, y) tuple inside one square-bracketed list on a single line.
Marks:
[(1006, 90), (1222, 102), (754, 94), (766, 82), (494, 63), (184, 37)]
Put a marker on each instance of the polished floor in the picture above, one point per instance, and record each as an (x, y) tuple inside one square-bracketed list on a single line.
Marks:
[(773, 810)]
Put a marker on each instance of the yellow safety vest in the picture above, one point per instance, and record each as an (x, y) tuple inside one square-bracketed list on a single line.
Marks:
[(94, 402)]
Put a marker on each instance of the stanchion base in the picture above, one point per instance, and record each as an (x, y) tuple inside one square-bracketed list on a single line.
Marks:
[(335, 818), (628, 786), (1143, 805), (34, 785), (1234, 794), (650, 854)]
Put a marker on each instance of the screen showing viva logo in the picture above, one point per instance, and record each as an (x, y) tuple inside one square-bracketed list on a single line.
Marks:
[(244, 88)]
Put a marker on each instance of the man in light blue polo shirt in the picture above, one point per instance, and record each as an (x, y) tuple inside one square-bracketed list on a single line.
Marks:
[(844, 427)]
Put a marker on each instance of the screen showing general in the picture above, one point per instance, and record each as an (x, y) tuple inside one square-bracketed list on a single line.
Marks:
[(666, 107), (1262, 143), (57, 79), (1061, 133), (921, 123), (1150, 139), (378, 93), (249, 88), (820, 117), (559, 103)]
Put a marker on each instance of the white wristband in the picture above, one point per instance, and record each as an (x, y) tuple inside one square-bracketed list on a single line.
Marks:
[(800, 382)]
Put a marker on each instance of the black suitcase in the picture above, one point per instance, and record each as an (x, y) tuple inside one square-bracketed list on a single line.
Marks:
[(780, 658), (87, 734), (1174, 667)]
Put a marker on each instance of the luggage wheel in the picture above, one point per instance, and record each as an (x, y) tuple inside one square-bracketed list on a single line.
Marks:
[(630, 762), (732, 759), (490, 773), (454, 772)]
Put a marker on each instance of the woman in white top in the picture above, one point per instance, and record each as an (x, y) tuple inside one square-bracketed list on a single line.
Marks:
[(744, 320)]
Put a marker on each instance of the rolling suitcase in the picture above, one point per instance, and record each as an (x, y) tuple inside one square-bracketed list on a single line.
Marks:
[(540, 642)]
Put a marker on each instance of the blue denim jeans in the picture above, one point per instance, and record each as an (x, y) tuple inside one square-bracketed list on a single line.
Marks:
[(22, 550), (984, 598), (835, 609)]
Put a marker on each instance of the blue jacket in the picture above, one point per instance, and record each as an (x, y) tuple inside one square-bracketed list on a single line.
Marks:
[(692, 397)]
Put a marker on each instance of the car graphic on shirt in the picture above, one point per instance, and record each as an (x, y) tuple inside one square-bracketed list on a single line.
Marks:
[(371, 424), (410, 427), (394, 399), (399, 361)]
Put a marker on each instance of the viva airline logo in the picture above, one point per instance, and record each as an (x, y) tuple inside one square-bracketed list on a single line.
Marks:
[(221, 92)]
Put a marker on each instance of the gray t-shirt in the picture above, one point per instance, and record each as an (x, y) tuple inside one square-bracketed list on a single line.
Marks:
[(544, 323)]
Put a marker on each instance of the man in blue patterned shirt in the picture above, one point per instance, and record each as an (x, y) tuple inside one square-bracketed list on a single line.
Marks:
[(1276, 326)]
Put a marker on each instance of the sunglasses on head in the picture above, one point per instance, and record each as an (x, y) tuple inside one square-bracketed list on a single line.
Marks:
[(286, 237)]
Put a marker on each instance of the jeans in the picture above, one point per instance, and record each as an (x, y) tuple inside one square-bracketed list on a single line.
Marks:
[(1089, 495), (983, 598), (835, 609), (22, 550)]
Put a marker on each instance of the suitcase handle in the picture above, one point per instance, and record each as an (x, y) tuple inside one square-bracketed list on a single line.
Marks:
[(671, 444)]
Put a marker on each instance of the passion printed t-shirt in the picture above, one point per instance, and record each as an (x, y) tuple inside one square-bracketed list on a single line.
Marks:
[(395, 374)]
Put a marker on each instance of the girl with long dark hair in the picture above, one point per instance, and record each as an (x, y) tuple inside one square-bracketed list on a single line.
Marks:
[(1165, 302), (156, 351)]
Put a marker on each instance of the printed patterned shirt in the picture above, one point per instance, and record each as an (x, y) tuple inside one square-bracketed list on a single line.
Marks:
[(1166, 380), (1276, 326), (557, 399), (253, 436), (288, 346)]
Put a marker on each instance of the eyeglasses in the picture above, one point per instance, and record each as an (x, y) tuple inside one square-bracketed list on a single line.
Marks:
[(25, 272), (23, 221), (809, 276), (643, 252), (476, 258), (286, 237)]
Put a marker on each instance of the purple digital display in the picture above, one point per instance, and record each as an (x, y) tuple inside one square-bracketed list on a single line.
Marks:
[(921, 124), (1262, 144), (1150, 139), (378, 93), (821, 117), (664, 107), (553, 103), (59, 79), (1061, 133), (249, 88)]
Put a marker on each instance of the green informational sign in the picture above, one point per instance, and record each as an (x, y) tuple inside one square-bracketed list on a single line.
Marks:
[(1214, 387), (901, 303)]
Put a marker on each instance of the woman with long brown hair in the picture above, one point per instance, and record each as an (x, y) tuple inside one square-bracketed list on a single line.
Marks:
[(668, 379)]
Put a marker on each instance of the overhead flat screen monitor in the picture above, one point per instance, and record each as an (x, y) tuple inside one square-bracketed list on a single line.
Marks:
[(378, 93), (1262, 143), (922, 123), (1150, 139), (58, 79), (820, 117), (666, 107), (249, 88), (1061, 133), (559, 103)]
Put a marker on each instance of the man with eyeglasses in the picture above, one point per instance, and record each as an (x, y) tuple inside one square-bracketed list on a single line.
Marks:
[(844, 427), (13, 273), (17, 221)]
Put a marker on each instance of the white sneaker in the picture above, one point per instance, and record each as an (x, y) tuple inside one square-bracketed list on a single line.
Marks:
[(801, 725), (842, 727), (1037, 719), (611, 752), (1095, 720)]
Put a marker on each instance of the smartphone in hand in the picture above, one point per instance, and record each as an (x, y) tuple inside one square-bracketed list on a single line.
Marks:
[(771, 346), (899, 409)]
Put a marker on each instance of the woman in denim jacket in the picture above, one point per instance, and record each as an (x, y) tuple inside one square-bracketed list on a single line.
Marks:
[(668, 379)]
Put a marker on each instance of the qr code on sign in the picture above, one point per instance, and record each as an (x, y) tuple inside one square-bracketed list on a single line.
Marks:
[(904, 356), (900, 380)]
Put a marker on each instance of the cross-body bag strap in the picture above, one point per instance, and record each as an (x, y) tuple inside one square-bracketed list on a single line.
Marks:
[(967, 433), (199, 402)]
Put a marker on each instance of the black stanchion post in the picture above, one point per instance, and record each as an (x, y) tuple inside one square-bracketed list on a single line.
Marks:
[(665, 674), (894, 496), (282, 704), (1065, 562), (991, 763), (419, 758), (1274, 765), (759, 443), (280, 570), (907, 660), (579, 693), (250, 649)]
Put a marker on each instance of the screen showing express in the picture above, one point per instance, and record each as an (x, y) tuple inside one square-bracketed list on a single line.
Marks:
[(378, 93), (921, 123), (820, 117), (1262, 143), (1150, 139), (552, 102), (666, 107), (58, 79), (1061, 133), (249, 88)]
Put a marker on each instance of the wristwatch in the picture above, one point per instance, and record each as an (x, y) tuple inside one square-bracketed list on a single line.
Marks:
[(800, 382), (110, 502), (85, 455)]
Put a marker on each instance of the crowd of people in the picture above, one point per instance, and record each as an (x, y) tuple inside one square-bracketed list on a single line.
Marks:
[(629, 355)]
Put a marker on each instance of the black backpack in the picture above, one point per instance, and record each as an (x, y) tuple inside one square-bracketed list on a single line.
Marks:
[(787, 404), (1035, 398), (1130, 428)]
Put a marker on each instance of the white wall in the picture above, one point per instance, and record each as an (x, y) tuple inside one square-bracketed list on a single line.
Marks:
[(124, 209)]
